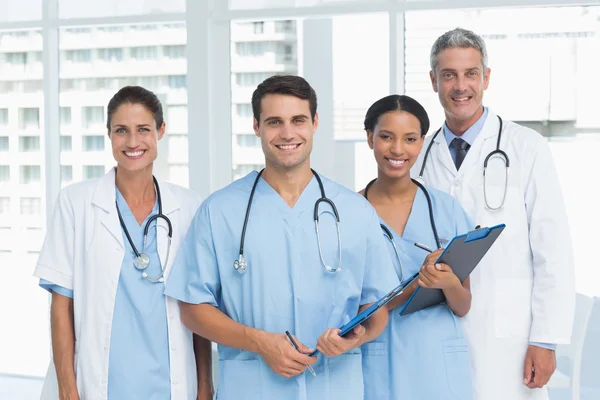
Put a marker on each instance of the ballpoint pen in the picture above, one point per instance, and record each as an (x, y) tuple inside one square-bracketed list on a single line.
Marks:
[(312, 371), (419, 245)]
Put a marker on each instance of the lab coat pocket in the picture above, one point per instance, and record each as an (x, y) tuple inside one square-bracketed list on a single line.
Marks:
[(458, 368), (512, 299), (239, 379), (375, 371)]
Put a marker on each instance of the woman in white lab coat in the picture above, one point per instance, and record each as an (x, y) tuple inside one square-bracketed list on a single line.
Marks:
[(105, 259)]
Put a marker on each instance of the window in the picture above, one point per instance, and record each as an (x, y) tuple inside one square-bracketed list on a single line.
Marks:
[(16, 58), (174, 51), (177, 117), (78, 56), (93, 143), (144, 53), (4, 173), (93, 171), (3, 117), (3, 143), (177, 81), (29, 143), (244, 110), (66, 173), (251, 48), (29, 118), (65, 116), (259, 27), (251, 78), (111, 54), (285, 26), (288, 52), (243, 170), (92, 116), (4, 205), (66, 143), (31, 206), (248, 141), (30, 174)]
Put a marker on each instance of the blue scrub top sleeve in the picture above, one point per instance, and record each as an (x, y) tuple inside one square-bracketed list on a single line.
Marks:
[(380, 275), (194, 277), (51, 287)]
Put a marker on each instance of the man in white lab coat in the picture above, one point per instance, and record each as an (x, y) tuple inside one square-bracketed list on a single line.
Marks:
[(523, 290)]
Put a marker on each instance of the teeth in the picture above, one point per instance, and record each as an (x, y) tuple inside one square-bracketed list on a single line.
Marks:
[(288, 147), (134, 154), (396, 162), (461, 98)]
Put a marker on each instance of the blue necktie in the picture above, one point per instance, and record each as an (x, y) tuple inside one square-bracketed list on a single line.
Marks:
[(461, 148)]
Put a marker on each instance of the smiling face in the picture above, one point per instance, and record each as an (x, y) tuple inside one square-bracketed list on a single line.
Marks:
[(396, 142), (459, 80), (134, 137), (286, 130)]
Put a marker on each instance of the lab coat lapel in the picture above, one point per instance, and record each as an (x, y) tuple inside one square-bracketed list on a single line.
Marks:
[(105, 198), (442, 153), (170, 205)]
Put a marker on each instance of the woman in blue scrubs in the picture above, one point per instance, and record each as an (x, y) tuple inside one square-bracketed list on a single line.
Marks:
[(106, 259), (422, 355)]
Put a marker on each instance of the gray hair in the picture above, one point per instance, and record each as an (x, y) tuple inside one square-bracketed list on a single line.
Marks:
[(458, 37)]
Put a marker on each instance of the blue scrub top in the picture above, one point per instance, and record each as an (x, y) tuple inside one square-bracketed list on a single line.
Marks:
[(138, 365), (286, 287), (422, 355)]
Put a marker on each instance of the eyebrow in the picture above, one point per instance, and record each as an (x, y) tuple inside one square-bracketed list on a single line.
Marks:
[(392, 133), (453, 70), (274, 118), (125, 126)]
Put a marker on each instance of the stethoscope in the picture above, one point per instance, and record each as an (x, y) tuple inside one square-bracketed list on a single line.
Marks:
[(142, 260), (388, 232), (241, 264), (497, 153)]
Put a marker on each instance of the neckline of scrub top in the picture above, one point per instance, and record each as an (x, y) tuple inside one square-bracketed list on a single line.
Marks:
[(125, 210), (410, 233), (307, 198)]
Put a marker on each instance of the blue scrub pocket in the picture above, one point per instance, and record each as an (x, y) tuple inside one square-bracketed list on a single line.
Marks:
[(458, 368), (239, 379), (375, 371)]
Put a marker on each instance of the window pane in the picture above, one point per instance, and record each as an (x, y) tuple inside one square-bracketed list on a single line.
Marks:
[(20, 10), (258, 4), (29, 143), (148, 55), (24, 351), (30, 174), (93, 171), (93, 143), (259, 49), (66, 174), (113, 8)]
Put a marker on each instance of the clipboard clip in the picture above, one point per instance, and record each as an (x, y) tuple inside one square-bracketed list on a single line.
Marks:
[(478, 233)]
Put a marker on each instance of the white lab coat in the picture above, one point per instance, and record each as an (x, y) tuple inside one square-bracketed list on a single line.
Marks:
[(83, 251), (523, 290)]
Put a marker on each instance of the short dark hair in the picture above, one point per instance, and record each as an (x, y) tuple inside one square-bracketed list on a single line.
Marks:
[(284, 84), (396, 102), (135, 95)]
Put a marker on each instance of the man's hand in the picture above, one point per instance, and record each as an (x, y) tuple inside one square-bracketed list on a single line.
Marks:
[(331, 344), (540, 364), (281, 356)]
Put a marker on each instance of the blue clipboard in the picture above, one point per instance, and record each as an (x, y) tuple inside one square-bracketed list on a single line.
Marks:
[(462, 254), (369, 311)]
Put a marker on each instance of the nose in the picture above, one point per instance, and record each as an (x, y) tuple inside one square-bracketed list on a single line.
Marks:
[(286, 131), (131, 140), (397, 147), (460, 84)]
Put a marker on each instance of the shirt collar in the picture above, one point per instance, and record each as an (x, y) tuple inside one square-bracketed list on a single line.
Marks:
[(470, 134)]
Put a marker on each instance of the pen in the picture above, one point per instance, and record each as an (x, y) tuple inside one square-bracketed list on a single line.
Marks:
[(312, 371), (419, 245)]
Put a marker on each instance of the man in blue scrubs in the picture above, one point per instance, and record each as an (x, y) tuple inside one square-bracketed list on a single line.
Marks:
[(292, 283)]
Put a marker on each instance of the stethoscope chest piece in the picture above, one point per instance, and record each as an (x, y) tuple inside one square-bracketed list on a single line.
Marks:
[(141, 262), (240, 265)]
